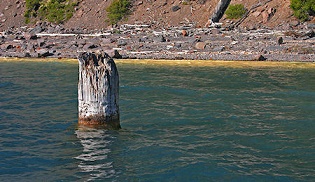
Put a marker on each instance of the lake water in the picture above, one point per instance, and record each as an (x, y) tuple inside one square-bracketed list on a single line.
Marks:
[(216, 122)]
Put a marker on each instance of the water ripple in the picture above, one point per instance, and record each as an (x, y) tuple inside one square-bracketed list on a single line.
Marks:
[(179, 124)]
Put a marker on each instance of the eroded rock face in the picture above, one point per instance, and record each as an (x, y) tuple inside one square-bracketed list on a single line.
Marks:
[(98, 90)]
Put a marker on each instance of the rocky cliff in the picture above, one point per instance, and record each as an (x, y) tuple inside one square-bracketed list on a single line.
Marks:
[(91, 14)]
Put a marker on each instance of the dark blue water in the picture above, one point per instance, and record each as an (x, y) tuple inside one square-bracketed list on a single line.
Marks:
[(179, 124)]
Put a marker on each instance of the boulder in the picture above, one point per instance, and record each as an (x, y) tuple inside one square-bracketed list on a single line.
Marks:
[(160, 38), (43, 53), (294, 23), (311, 25), (251, 27), (7, 46), (30, 47), (201, 1), (259, 58), (215, 31), (271, 11), (280, 40), (41, 42), (143, 39), (30, 36), (265, 16), (257, 13), (121, 42), (177, 45), (234, 42), (219, 49), (114, 54), (310, 34), (200, 45), (184, 33), (90, 46), (175, 8), (106, 41), (36, 30), (27, 55)]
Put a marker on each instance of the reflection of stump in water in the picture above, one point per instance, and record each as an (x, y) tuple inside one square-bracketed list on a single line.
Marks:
[(98, 91), (94, 158)]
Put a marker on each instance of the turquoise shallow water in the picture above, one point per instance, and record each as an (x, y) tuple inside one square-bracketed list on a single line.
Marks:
[(179, 123)]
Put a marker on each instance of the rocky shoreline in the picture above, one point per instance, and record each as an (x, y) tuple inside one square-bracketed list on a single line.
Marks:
[(143, 42)]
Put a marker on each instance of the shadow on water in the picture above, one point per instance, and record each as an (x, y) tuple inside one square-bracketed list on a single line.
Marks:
[(94, 160)]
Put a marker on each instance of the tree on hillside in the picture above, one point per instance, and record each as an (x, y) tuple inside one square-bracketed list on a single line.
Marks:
[(56, 11), (303, 8), (118, 10), (31, 7)]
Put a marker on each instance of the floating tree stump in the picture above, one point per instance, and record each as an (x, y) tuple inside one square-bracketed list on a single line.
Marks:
[(98, 91)]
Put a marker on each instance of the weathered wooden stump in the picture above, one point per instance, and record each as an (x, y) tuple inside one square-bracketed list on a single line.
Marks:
[(98, 91)]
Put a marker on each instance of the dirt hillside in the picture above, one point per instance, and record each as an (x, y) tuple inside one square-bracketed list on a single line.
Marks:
[(11, 14), (91, 14)]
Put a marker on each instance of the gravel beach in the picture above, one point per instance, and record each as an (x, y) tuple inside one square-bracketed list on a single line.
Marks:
[(177, 43)]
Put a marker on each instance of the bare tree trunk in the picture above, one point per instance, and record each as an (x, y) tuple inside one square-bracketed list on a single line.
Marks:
[(219, 10), (98, 90)]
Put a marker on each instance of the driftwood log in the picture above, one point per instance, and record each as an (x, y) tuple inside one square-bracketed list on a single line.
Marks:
[(98, 90), (219, 10)]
